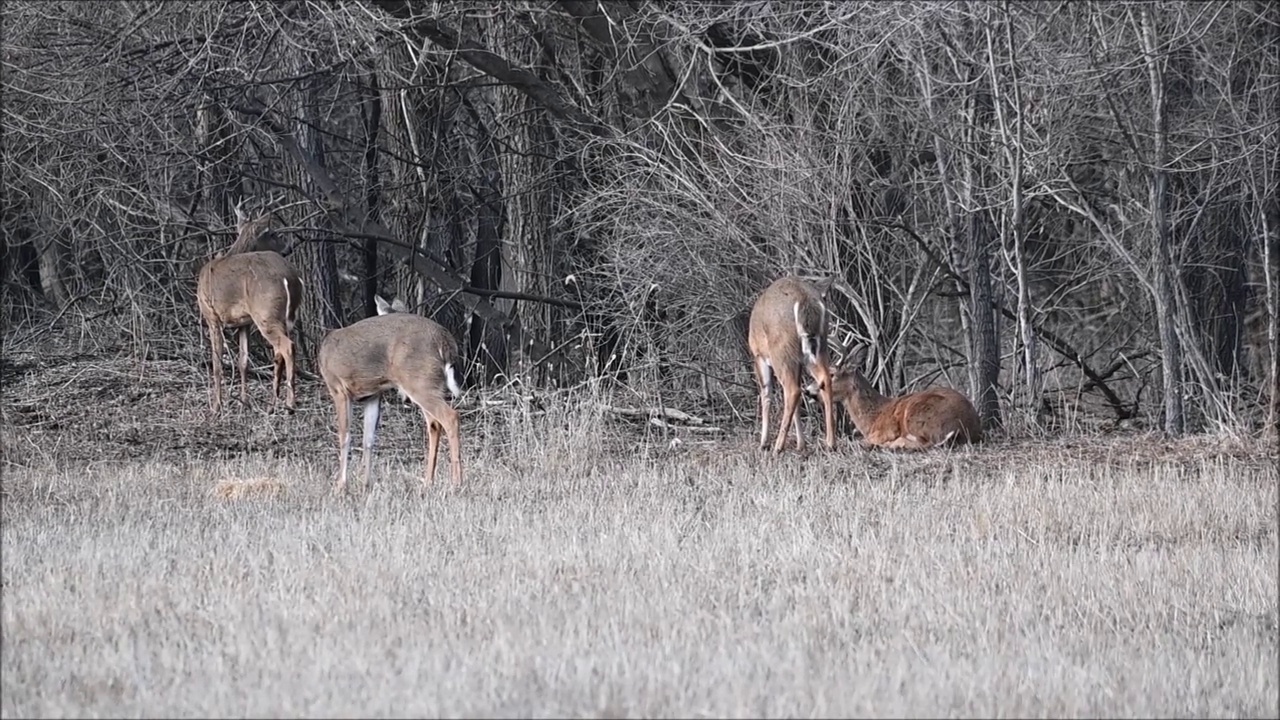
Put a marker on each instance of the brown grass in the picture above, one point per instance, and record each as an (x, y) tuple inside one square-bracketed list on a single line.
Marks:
[(589, 569)]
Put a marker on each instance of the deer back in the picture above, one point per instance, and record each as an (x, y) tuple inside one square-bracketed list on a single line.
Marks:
[(239, 287), (383, 351), (789, 311), (926, 418)]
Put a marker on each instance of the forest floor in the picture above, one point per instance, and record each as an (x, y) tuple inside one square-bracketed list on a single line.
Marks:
[(158, 561)]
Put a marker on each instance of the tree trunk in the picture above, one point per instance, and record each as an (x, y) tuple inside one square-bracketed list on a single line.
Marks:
[(320, 256), (1013, 141), (1163, 270), (984, 338), (984, 341), (373, 191), (486, 342), (51, 263)]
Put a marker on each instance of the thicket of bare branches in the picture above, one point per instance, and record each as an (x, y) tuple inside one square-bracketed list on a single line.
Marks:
[(1050, 205)]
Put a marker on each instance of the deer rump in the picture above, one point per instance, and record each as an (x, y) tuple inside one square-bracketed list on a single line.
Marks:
[(389, 351)]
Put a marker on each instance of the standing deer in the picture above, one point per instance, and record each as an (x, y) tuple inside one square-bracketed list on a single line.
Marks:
[(251, 283), (787, 334), (393, 349), (920, 420)]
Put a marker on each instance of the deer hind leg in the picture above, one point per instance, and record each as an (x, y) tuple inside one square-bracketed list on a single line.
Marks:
[(790, 401), (282, 362), (439, 417), (342, 404), (447, 420), (372, 408), (242, 335), (797, 423), (452, 426), (432, 430), (215, 368), (764, 379), (902, 442)]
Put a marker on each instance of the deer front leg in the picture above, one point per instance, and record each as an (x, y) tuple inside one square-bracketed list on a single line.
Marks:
[(823, 377), (791, 400), (242, 334), (342, 404)]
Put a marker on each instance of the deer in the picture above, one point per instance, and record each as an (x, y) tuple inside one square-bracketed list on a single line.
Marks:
[(251, 284), (787, 334), (916, 421), (394, 349)]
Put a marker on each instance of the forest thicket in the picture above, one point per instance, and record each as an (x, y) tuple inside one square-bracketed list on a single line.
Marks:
[(1063, 208)]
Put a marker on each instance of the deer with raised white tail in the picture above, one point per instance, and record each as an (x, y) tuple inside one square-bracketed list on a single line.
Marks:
[(919, 420), (787, 334), (251, 284), (394, 349)]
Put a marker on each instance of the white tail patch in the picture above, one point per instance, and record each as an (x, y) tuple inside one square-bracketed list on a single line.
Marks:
[(452, 380), (288, 307), (808, 343)]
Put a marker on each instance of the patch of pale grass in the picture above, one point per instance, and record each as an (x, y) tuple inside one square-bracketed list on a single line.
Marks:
[(579, 575), (239, 489)]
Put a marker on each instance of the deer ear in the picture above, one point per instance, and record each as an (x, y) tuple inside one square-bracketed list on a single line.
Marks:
[(384, 307), (399, 305)]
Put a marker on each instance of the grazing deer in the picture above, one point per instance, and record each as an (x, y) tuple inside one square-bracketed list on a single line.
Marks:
[(920, 420), (787, 334), (251, 283), (393, 349)]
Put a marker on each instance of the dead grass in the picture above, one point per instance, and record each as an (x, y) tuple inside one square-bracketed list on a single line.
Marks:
[(258, 487), (590, 569)]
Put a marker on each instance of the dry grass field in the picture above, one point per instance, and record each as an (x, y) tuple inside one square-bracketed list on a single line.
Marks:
[(160, 563)]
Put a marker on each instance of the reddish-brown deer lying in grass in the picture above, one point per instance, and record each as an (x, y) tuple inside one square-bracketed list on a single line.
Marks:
[(250, 285), (394, 349), (786, 335), (920, 420)]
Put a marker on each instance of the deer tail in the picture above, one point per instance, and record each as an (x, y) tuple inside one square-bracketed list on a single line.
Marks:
[(451, 379), (290, 307)]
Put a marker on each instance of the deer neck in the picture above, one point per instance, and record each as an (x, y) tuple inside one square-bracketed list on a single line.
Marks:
[(247, 238), (864, 403), (243, 244)]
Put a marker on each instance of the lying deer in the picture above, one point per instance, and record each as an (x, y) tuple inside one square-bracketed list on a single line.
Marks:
[(788, 334), (251, 284), (920, 420), (393, 349)]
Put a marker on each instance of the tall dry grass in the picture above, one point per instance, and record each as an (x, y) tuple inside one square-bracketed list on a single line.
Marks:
[(585, 570)]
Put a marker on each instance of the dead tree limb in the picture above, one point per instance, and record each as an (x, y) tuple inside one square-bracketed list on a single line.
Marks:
[(494, 65), (1053, 340), (350, 218)]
